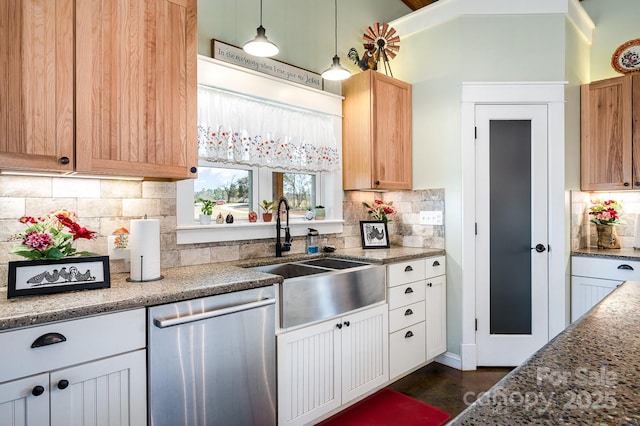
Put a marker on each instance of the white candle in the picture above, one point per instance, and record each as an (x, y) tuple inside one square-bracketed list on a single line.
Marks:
[(636, 236), (144, 241)]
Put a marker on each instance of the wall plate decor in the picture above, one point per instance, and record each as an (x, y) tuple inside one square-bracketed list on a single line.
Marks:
[(626, 58), (29, 277), (374, 234)]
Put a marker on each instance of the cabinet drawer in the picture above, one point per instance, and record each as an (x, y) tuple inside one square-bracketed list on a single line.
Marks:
[(405, 272), (435, 266), (86, 339), (406, 316), (407, 294), (407, 349), (608, 269)]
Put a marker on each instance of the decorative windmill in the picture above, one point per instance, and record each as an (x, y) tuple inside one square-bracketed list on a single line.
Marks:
[(380, 44), (383, 37)]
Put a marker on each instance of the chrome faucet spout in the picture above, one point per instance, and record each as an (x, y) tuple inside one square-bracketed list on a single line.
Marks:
[(286, 246)]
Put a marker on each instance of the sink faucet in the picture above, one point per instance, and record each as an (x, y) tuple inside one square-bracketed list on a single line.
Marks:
[(287, 236)]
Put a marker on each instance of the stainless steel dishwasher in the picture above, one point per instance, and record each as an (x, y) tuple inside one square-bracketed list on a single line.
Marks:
[(212, 361)]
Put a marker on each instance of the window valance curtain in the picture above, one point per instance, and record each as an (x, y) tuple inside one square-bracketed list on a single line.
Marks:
[(237, 129)]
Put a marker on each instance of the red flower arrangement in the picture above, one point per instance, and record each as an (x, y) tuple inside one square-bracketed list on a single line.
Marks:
[(381, 211), (605, 212), (51, 237)]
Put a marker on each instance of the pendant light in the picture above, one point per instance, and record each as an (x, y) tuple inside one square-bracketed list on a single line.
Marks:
[(336, 71), (260, 46)]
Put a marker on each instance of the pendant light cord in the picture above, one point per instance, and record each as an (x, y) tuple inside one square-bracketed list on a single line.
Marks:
[(260, 12), (335, 10)]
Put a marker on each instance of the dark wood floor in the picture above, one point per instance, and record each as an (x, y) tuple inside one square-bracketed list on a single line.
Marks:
[(446, 388)]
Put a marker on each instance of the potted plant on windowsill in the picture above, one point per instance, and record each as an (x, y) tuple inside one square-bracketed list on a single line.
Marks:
[(206, 209), (267, 210), (320, 213)]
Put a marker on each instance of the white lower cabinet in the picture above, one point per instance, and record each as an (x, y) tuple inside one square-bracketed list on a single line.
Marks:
[(593, 278), (82, 372), (328, 364), (416, 292)]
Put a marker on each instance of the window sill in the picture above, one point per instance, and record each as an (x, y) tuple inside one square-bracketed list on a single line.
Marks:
[(193, 234)]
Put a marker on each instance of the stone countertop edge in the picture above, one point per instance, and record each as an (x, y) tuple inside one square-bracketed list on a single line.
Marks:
[(625, 253), (181, 283), (588, 374)]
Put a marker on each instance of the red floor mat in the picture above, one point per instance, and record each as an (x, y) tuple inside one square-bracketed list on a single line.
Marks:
[(388, 408)]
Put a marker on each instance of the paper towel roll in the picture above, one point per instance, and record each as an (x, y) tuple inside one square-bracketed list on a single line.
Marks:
[(636, 235), (144, 241)]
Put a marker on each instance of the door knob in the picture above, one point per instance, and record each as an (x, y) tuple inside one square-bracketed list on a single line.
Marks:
[(539, 248)]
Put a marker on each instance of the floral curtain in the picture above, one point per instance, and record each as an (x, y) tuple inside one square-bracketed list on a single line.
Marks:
[(237, 129)]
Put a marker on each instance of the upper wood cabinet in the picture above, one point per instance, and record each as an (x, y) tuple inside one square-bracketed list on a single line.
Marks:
[(132, 78), (36, 84), (610, 125), (376, 132)]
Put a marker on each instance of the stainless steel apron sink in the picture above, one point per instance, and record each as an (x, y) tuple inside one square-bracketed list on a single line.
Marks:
[(323, 288)]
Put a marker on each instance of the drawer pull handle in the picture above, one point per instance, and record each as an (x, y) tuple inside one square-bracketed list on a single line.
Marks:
[(625, 266), (37, 390), (63, 384), (48, 339), (436, 263), (408, 334), (408, 269), (408, 312), (408, 290)]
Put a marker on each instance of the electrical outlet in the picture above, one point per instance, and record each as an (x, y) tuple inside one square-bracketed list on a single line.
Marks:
[(431, 218)]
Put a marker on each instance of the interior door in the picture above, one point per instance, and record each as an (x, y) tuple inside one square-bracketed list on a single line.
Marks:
[(511, 240)]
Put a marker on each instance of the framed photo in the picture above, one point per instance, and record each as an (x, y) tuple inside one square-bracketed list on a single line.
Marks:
[(48, 276), (374, 234)]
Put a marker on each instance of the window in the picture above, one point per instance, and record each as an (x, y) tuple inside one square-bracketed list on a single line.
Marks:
[(298, 188), (232, 189)]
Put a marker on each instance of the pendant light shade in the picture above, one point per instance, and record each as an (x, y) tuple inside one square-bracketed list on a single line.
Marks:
[(260, 45), (336, 71)]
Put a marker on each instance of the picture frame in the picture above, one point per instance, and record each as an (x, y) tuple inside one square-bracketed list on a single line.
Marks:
[(374, 234), (47, 276)]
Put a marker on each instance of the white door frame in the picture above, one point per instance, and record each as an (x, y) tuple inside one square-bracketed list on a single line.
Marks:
[(552, 95)]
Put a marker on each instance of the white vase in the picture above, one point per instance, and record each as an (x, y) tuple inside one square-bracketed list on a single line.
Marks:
[(205, 219)]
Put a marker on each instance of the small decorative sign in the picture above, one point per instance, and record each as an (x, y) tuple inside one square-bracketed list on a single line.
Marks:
[(234, 55), (48, 276), (374, 234)]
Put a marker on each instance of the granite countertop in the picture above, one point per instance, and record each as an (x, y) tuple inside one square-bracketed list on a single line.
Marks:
[(622, 253), (178, 284), (587, 375)]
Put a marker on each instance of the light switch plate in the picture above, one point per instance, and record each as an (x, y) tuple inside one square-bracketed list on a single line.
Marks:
[(431, 218)]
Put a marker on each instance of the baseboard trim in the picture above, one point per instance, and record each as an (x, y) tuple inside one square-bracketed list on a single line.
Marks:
[(450, 360)]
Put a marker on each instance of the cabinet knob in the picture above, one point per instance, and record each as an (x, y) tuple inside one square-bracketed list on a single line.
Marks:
[(339, 326), (637, 184), (436, 263), (408, 312), (408, 290), (193, 169), (63, 384), (408, 269), (377, 182), (408, 334), (626, 184), (37, 390), (64, 160), (429, 285), (347, 323)]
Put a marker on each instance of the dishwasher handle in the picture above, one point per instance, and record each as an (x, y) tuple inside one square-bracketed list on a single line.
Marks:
[(170, 322)]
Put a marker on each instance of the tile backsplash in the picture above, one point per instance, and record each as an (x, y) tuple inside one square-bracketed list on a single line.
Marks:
[(583, 232), (106, 204)]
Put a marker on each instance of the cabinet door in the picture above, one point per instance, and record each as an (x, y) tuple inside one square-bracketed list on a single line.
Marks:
[(365, 351), (22, 404), (588, 292), (309, 365), (36, 88), (136, 87), (436, 316), (391, 134), (606, 147), (111, 391)]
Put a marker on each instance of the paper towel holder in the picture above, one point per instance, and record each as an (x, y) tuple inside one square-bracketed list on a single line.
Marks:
[(142, 274)]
